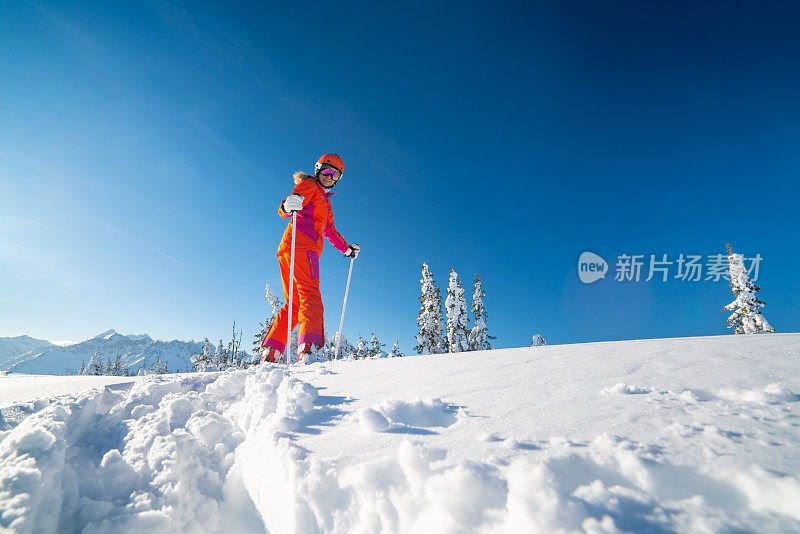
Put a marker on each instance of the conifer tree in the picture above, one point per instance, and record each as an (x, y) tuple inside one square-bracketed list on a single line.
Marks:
[(326, 351), (116, 367), (82, 370), (746, 317), (478, 336), (220, 356), (108, 367), (95, 367), (537, 341), (376, 345), (395, 353), (275, 304), (429, 319), (204, 360), (361, 348), (457, 320), (345, 347)]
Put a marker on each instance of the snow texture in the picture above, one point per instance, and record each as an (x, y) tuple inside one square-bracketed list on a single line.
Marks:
[(678, 435)]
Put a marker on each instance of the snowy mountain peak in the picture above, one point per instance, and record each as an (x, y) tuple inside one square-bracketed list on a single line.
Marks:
[(139, 337), (137, 351), (105, 335)]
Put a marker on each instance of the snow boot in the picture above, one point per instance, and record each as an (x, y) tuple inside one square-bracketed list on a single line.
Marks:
[(270, 355), (308, 353)]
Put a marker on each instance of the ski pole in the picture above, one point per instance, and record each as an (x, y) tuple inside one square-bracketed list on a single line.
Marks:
[(291, 293), (341, 322)]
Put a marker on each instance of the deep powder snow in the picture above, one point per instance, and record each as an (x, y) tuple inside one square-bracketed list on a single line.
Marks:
[(678, 435)]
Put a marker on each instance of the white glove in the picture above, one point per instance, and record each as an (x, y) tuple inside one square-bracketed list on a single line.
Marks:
[(293, 203), (352, 251)]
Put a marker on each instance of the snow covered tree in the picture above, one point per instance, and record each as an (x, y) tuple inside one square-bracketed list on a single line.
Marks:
[(329, 347), (457, 320), (376, 347), (116, 367), (95, 367), (345, 347), (108, 367), (537, 341), (429, 318), (361, 348), (275, 304), (395, 353), (224, 356), (292, 349), (478, 336), (746, 317), (220, 357), (82, 370), (204, 360), (235, 356)]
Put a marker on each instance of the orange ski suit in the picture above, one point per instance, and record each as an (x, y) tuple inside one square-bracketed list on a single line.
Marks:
[(314, 222)]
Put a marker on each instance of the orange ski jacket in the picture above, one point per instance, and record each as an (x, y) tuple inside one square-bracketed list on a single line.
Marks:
[(314, 221)]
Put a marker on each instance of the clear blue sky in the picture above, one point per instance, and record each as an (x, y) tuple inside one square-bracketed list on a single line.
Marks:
[(145, 146)]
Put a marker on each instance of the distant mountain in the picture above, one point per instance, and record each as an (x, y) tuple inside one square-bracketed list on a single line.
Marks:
[(11, 347), (137, 352)]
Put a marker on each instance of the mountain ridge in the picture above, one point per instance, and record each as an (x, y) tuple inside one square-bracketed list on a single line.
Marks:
[(137, 351)]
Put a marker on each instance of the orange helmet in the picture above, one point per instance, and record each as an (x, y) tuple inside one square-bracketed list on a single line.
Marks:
[(330, 159)]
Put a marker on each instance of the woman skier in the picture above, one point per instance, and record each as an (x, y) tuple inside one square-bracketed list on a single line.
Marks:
[(310, 198)]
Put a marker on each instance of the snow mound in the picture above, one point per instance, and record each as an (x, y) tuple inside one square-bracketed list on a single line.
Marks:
[(155, 457), (625, 389), (399, 416), (771, 394)]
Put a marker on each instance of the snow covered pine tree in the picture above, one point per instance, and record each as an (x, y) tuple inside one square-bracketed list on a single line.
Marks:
[(395, 353), (457, 320), (275, 304), (361, 348), (116, 368), (204, 360), (95, 367), (375, 349), (429, 319), (746, 317), (537, 341), (478, 336)]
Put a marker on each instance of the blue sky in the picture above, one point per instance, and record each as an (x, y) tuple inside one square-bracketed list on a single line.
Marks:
[(145, 147)]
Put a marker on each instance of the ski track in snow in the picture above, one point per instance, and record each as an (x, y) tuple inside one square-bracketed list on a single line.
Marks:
[(261, 449)]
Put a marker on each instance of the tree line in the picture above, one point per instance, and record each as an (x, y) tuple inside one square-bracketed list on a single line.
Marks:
[(450, 333)]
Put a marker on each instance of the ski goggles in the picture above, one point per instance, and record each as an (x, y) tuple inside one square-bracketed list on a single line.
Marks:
[(331, 172)]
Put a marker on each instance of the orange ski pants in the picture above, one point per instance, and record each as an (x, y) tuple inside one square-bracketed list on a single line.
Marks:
[(306, 303)]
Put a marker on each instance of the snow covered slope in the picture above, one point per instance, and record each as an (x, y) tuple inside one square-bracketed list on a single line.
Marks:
[(137, 351), (19, 388), (15, 346), (675, 435)]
